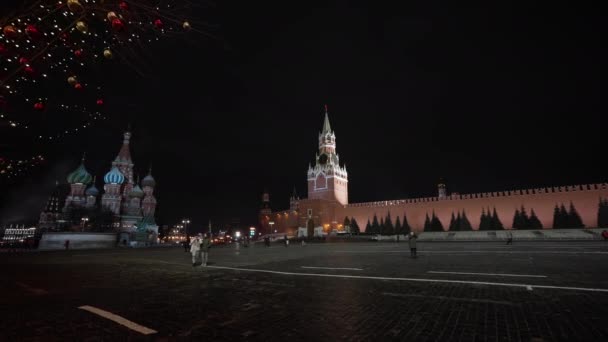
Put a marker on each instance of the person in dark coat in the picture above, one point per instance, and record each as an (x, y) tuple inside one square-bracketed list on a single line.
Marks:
[(413, 237), (509, 238), (67, 244)]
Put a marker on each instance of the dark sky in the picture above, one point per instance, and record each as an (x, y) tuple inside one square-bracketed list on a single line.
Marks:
[(491, 97)]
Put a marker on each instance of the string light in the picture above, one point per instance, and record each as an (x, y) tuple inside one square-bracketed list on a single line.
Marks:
[(14, 168)]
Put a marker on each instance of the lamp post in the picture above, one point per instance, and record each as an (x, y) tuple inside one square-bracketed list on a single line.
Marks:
[(84, 221), (186, 222), (271, 223)]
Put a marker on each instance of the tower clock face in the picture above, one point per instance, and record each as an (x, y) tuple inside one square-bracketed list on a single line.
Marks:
[(323, 159)]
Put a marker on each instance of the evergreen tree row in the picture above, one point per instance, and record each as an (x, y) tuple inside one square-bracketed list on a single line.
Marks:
[(460, 222), (386, 227), (602, 214), (433, 224), (521, 220), (563, 218), (490, 221), (352, 224)]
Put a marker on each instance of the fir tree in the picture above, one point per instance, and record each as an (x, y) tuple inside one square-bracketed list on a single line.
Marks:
[(388, 225), (405, 226), (484, 221), (574, 218), (495, 221), (602, 214), (398, 228), (368, 227), (534, 222), (436, 225), (354, 226), (517, 220), (525, 220), (464, 222), (452, 226), (427, 223), (375, 225), (346, 224), (382, 228), (557, 222), (563, 217), (458, 221)]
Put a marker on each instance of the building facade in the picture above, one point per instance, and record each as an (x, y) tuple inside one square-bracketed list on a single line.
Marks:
[(131, 203), (327, 204)]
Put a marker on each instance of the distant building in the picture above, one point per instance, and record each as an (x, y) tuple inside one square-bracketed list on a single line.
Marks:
[(131, 203), (327, 204)]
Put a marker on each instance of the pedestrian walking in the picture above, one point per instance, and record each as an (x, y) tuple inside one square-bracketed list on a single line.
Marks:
[(195, 249), (605, 235), (205, 246), (187, 245), (413, 237), (509, 238), (67, 244), (286, 241)]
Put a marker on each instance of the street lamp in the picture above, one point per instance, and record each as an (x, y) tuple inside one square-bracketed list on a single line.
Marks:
[(84, 221), (271, 223), (186, 222)]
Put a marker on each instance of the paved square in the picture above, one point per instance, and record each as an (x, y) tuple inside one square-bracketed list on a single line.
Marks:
[(550, 291)]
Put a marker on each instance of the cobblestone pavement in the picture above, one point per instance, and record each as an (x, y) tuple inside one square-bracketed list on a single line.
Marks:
[(549, 291)]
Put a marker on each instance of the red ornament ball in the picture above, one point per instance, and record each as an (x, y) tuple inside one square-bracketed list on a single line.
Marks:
[(100, 102), (78, 53), (29, 70), (158, 23), (3, 49), (32, 31), (78, 86), (39, 106), (123, 6), (23, 60), (118, 25)]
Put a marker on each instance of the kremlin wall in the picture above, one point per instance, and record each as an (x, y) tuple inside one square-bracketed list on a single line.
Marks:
[(327, 203)]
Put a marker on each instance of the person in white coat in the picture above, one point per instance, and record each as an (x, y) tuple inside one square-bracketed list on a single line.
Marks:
[(195, 249)]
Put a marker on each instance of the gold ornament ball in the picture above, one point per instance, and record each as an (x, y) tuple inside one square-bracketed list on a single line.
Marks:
[(72, 80), (186, 26), (9, 31), (112, 16), (107, 53), (82, 26), (75, 6)]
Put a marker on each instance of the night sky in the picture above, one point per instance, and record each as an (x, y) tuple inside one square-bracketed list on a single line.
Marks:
[(491, 98)]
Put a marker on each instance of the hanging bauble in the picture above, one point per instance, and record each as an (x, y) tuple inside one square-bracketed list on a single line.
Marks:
[(23, 60), (39, 106), (118, 25), (75, 6), (3, 49), (32, 31), (78, 53), (112, 16), (158, 24), (29, 70), (100, 102), (186, 26), (78, 86), (82, 26), (123, 6), (72, 80), (107, 53), (10, 31)]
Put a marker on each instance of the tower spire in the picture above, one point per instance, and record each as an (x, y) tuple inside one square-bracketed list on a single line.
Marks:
[(326, 125)]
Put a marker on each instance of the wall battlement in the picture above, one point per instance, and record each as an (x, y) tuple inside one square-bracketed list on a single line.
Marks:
[(510, 193)]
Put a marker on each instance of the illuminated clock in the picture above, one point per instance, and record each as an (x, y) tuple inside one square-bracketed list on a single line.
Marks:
[(323, 159)]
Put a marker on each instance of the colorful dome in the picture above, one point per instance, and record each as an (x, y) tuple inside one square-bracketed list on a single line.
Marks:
[(114, 176), (92, 191), (137, 192), (80, 176), (148, 181)]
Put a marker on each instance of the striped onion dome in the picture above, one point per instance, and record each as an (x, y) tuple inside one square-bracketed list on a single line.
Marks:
[(114, 176), (148, 181), (137, 192), (92, 191), (80, 176)]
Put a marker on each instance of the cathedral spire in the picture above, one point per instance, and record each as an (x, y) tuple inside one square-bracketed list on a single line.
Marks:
[(125, 153), (326, 126)]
